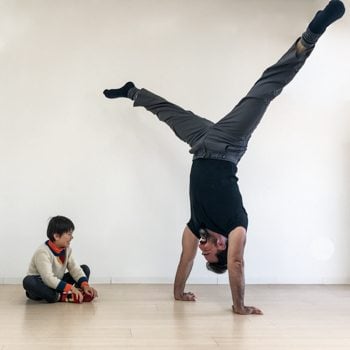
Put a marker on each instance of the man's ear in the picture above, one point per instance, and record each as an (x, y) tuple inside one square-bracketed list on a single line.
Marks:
[(56, 236), (221, 243)]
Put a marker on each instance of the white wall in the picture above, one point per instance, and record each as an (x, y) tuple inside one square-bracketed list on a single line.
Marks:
[(122, 176)]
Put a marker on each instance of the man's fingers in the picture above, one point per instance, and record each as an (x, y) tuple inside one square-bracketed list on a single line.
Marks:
[(256, 311), (248, 310), (189, 297)]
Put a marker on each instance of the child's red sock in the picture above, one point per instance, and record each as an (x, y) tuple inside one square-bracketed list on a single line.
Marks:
[(87, 298), (69, 297)]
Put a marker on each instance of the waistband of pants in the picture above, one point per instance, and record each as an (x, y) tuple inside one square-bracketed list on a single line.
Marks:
[(229, 157)]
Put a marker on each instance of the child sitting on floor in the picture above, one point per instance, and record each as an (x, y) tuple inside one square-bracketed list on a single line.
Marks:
[(46, 279)]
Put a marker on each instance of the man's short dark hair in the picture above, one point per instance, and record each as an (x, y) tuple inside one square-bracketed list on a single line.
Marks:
[(59, 225), (220, 266)]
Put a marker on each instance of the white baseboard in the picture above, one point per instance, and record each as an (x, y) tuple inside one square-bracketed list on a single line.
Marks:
[(222, 279)]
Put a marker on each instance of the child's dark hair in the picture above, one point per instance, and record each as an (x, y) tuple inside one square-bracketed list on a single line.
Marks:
[(59, 225), (221, 265)]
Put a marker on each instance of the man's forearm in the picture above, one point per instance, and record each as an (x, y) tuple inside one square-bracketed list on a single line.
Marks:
[(237, 284), (183, 271)]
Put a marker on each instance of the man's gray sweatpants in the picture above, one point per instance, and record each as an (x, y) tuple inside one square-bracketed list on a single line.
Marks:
[(228, 138)]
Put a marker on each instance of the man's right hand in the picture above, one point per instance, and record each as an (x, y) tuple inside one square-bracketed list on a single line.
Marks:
[(189, 250), (186, 296), (247, 310)]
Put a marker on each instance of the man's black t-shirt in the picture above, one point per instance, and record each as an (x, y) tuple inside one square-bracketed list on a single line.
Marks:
[(216, 203)]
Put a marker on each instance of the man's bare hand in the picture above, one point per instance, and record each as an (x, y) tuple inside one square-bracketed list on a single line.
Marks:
[(247, 310), (186, 296)]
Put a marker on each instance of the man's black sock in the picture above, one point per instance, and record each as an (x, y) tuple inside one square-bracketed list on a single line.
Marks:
[(333, 11), (121, 92)]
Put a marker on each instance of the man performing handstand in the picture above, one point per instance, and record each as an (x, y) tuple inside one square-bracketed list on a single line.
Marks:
[(218, 220)]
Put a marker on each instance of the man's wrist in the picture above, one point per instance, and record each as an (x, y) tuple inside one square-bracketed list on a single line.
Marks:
[(178, 294), (239, 307)]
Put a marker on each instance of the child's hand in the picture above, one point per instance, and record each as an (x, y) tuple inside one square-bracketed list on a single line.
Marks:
[(77, 294), (90, 291)]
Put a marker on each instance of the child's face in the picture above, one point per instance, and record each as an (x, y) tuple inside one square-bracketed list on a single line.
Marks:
[(63, 241)]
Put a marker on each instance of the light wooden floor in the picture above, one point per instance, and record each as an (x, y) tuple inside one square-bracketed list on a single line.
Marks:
[(146, 317)]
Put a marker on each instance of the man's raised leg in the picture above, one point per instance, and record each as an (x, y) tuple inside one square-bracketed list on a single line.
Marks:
[(185, 124), (237, 126)]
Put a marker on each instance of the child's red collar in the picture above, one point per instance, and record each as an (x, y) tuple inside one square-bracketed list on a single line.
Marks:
[(54, 247)]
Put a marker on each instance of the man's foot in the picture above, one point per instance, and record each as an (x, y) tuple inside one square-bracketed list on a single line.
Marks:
[(121, 92), (333, 11)]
